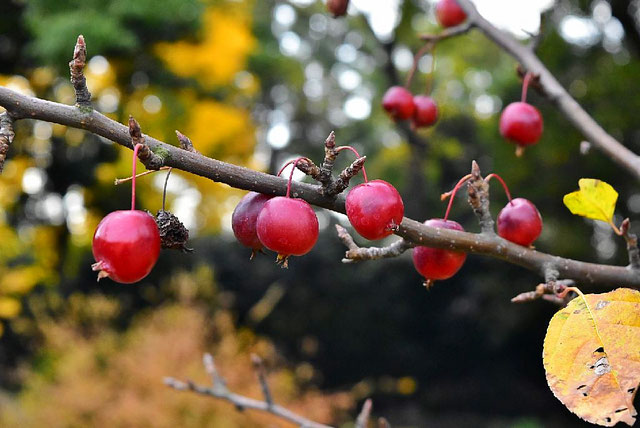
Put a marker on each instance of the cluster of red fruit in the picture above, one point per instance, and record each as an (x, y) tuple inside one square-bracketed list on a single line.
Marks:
[(289, 226), (519, 222), (520, 122), (402, 105)]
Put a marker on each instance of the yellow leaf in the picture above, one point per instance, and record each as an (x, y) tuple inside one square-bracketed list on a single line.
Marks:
[(9, 307), (595, 200), (591, 356)]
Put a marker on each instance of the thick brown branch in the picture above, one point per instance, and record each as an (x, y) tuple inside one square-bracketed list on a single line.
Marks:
[(220, 390), (76, 67), (357, 254), (22, 106), (583, 122), (6, 136)]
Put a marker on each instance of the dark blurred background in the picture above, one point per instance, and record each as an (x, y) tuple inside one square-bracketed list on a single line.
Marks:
[(257, 83)]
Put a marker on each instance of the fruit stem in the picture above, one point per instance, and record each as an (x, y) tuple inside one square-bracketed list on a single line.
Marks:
[(133, 176), (525, 86), (295, 164), (453, 194), (416, 58), (364, 171), (504, 185), (164, 189), (432, 67)]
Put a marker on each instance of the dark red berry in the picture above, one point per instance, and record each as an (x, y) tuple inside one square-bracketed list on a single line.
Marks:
[(520, 222), (245, 217), (521, 123), (126, 245), (398, 102), (287, 226), (426, 111), (374, 208), (337, 7), (436, 263), (449, 13)]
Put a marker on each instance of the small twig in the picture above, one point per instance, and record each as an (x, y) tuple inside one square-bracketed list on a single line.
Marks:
[(307, 166), (185, 142), (118, 181), (342, 182), (217, 381), (478, 190), (220, 390), (363, 418), (330, 154), (258, 365), (76, 67), (544, 290), (149, 159), (357, 254), (632, 244), (6, 136), (448, 33)]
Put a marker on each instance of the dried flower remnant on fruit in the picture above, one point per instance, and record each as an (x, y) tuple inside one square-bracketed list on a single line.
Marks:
[(173, 234)]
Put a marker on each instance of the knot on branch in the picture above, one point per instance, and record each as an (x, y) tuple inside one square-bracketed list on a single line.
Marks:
[(6, 136), (551, 291), (330, 155), (76, 67), (478, 190), (148, 158)]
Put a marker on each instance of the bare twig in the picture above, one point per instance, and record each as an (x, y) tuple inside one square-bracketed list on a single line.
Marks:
[(258, 365), (76, 67), (363, 418), (544, 290), (119, 181), (357, 254), (330, 155), (6, 136), (23, 106), (632, 244), (582, 121), (478, 190), (448, 32), (342, 182), (220, 390)]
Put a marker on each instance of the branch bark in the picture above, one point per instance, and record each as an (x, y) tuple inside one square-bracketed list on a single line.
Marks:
[(553, 90), (22, 106)]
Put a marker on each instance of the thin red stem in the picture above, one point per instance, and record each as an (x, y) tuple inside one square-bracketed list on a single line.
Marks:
[(453, 194), (504, 185), (286, 165), (416, 58), (133, 176), (364, 171), (525, 86), (295, 164)]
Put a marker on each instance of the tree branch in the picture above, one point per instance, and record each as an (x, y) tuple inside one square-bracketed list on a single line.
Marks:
[(357, 254), (580, 119), (6, 136), (22, 106), (220, 390)]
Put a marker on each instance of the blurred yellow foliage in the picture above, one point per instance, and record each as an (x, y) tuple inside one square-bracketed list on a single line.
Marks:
[(225, 42)]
